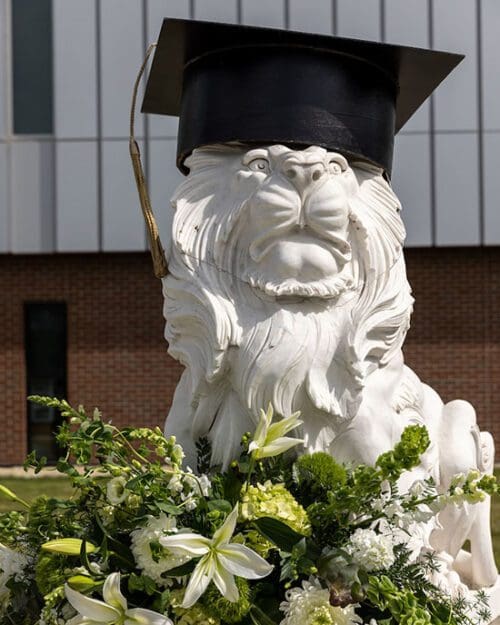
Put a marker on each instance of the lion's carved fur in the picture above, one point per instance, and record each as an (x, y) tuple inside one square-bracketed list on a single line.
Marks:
[(288, 286), (242, 347)]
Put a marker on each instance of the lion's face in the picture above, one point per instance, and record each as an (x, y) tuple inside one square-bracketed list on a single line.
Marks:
[(294, 223)]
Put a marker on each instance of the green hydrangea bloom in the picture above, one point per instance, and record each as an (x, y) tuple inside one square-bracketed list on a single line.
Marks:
[(196, 615), (50, 572), (274, 500), (256, 542), (228, 611), (318, 473)]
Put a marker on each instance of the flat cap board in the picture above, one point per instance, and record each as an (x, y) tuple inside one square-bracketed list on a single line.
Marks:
[(231, 83)]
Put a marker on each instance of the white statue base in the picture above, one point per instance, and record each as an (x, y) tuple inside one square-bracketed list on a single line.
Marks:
[(288, 285)]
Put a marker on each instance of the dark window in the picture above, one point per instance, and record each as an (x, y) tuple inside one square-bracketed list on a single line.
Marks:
[(32, 66), (45, 344)]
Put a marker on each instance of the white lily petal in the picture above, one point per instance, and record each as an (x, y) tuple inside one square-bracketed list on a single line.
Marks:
[(269, 414), (279, 446), (243, 562), (224, 533), (226, 584), (112, 594), (190, 544), (280, 428), (140, 616), (81, 620), (91, 608), (260, 431), (199, 581)]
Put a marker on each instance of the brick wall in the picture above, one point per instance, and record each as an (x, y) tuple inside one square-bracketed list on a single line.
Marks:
[(454, 341), (117, 357)]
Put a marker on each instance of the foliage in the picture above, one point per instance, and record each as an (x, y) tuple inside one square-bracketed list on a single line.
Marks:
[(277, 539)]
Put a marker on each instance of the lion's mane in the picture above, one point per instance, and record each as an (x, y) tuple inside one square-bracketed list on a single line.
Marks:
[(243, 350)]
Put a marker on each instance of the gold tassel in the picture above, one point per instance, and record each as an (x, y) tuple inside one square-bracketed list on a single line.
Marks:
[(157, 252)]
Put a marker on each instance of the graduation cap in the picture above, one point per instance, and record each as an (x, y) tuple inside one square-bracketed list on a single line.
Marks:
[(229, 83)]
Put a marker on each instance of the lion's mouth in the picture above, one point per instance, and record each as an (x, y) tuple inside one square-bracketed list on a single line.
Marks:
[(291, 288), (305, 236), (300, 264)]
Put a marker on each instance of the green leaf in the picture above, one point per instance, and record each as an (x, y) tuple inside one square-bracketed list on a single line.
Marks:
[(259, 617), (68, 546), (283, 536), (84, 555), (135, 583), (149, 585), (135, 481), (161, 603), (220, 504), (169, 508), (183, 569)]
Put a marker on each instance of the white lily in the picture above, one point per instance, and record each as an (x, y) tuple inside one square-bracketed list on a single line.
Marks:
[(113, 610), (269, 438), (220, 561)]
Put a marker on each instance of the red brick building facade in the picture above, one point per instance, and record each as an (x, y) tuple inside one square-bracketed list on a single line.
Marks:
[(117, 358)]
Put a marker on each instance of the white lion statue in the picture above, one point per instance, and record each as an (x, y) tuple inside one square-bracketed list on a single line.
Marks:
[(288, 285)]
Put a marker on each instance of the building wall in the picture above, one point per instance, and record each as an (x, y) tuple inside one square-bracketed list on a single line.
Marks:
[(72, 193), (73, 190), (117, 357)]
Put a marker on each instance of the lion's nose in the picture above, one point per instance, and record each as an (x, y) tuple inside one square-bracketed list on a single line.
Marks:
[(303, 176)]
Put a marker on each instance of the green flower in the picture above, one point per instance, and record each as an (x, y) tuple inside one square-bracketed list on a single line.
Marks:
[(50, 572), (228, 611), (197, 615), (274, 500), (319, 473)]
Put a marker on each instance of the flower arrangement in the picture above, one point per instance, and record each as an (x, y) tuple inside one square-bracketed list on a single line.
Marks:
[(278, 538)]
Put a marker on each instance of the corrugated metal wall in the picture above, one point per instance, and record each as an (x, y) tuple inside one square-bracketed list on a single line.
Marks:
[(74, 191)]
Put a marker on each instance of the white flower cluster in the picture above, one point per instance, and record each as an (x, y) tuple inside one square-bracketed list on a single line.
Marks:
[(370, 550), (12, 565), (310, 605), (115, 490), (189, 487), (154, 564), (411, 527)]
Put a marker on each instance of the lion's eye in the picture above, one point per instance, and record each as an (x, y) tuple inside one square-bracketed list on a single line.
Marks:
[(259, 164), (335, 168)]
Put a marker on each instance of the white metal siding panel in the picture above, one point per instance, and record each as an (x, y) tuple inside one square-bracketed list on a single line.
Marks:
[(122, 52), (412, 184), (359, 19), (32, 197), (4, 49), (122, 222), (216, 10), (164, 179), (407, 23), (4, 200), (76, 196), (456, 98), (75, 69), (312, 16), (492, 189), (163, 125), (457, 184), (490, 26), (263, 13)]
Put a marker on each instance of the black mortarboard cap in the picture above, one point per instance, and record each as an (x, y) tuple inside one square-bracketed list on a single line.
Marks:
[(231, 83)]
